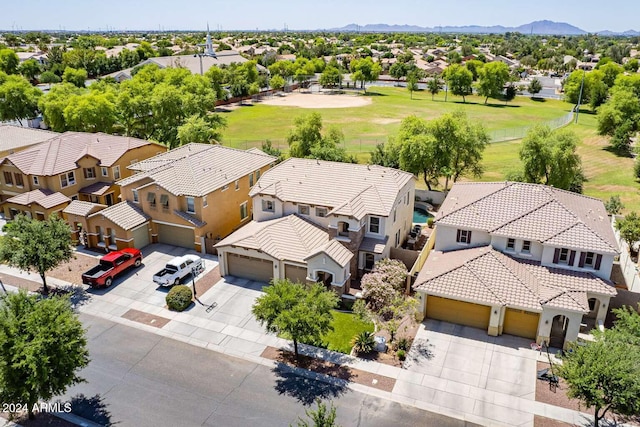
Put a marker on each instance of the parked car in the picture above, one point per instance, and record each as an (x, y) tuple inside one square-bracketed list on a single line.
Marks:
[(177, 269), (110, 266)]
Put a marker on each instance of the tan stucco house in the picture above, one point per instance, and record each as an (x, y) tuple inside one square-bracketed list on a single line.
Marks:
[(522, 259)]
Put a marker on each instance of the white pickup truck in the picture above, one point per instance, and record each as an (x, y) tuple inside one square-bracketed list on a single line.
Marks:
[(177, 269)]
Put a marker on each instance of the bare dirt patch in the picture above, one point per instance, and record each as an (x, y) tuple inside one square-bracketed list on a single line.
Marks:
[(384, 121), (539, 421), (309, 100), (146, 318), (72, 270)]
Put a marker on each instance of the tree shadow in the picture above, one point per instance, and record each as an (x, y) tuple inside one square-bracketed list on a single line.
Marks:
[(305, 388), (536, 99), (92, 408), (502, 105), (618, 153), (374, 94), (420, 352)]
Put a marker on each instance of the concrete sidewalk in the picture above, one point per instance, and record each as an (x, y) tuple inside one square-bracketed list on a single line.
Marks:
[(221, 321)]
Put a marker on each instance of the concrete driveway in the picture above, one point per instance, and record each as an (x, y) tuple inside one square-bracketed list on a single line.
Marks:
[(464, 369)]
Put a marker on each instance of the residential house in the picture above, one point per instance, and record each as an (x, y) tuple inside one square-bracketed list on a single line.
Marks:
[(321, 221), (192, 196), (521, 259), (82, 166), (16, 138)]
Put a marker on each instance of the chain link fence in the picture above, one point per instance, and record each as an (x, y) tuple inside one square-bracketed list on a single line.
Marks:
[(502, 135)]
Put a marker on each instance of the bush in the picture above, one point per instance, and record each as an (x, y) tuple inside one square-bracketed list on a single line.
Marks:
[(401, 354), (179, 298), (360, 310), (403, 344), (430, 222), (364, 342)]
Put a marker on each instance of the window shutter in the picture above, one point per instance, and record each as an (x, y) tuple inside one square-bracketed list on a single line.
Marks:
[(458, 236), (469, 236), (556, 256), (598, 261), (572, 257), (583, 256)]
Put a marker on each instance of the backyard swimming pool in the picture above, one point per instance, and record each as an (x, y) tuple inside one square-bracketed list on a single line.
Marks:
[(420, 216)]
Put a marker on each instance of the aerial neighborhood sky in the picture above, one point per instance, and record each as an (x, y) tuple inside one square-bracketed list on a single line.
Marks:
[(590, 15)]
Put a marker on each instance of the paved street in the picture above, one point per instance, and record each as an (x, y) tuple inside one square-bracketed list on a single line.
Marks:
[(143, 379)]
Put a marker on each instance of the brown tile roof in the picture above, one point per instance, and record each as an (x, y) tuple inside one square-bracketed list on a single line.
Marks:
[(45, 198), (125, 215), (97, 188), (370, 244), (16, 137), (198, 169), (60, 154), (349, 189), (290, 238), (486, 276), (334, 250), (80, 208), (530, 211)]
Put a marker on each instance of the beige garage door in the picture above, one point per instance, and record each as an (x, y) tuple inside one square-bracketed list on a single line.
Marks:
[(295, 273), (521, 323), (176, 236), (141, 236), (249, 268), (460, 312)]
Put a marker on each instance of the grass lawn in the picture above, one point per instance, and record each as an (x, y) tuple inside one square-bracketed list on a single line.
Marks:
[(366, 126), (345, 327)]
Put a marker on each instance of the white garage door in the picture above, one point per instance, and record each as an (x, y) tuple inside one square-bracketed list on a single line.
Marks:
[(249, 268), (141, 236), (176, 236)]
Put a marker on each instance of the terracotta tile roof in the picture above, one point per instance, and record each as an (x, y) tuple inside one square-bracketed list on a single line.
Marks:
[(16, 137), (125, 215), (289, 238), (60, 153), (335, 250), (530, 211), (198, 169), (80, 208), (489, 277), (45, 198), (97, 188), (348, 189)]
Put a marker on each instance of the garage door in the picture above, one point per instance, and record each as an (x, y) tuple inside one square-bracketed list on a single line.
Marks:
[(177, 236), (249, 268), (521, 323), (141, 236), (295, 273), (460, 312)]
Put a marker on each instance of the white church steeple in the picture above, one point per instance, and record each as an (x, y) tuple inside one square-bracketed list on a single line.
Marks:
[(208, 47)]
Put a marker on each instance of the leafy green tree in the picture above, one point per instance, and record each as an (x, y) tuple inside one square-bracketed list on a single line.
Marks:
[(18, 99), (75, 76), (54, 103), (218, 77), (535, 87), (412, 83), (618, 118), (306, 133), (632, 65), (277, 82), (198, 129), (629, 228), (510, 93), (491, 80), (434, 85), (474, 66), (283, 69), (43, 347), (610, 72), (267, 147), (593, 87), (549, 157), (34, 245), (92, 112), (321, 417), (364, 70), (398, 70), (9, 61), (299, 312), (30, 69), (459, 80), (331, 77), (387, 154), (49, 77), (614, 205)]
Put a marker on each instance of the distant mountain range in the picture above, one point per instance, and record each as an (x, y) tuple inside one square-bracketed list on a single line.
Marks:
[(536, 27)]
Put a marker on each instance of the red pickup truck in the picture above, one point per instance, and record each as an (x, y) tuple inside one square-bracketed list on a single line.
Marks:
[(110, 266)]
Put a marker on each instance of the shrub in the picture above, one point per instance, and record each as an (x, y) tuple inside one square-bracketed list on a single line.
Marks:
[(401, 354), (360, 310), (364, 342), (179, 298), (393, 272), (377, 292), (403, 344), (430, 222)]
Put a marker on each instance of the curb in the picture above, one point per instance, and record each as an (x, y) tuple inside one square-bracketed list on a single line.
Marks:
[(75, 419)]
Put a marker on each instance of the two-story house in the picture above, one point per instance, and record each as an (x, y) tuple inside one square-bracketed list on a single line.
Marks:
[(522, 259), (330, 206), (191, 196), (81, 166), (16, 138)]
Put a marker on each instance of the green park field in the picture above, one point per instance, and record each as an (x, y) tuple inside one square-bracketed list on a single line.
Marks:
[(368, 125)]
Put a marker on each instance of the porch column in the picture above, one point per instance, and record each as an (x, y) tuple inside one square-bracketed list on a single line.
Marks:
[(421, 310), (495, 321)]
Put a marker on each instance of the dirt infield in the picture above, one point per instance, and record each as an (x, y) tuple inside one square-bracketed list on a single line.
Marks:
[(309, 100)]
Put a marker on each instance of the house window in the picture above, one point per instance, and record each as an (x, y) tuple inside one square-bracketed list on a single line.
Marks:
[(136, 199), (104, 171), (258, 174), (398, 238), (191, 205), (67, 179), (108, 199), (36, 180), (164, 201), (321, 212), (589, 259), (250, 180), (463, 236), (19, 180), (564, 256), (526, 246), (303, 210), (237, 184), (395, 214), (89, 173), (204, 202), (511, 244), (116, 172), (267, 206), (243, 211), (407, 199), (374, 225), (151, 198), (8, 178)]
